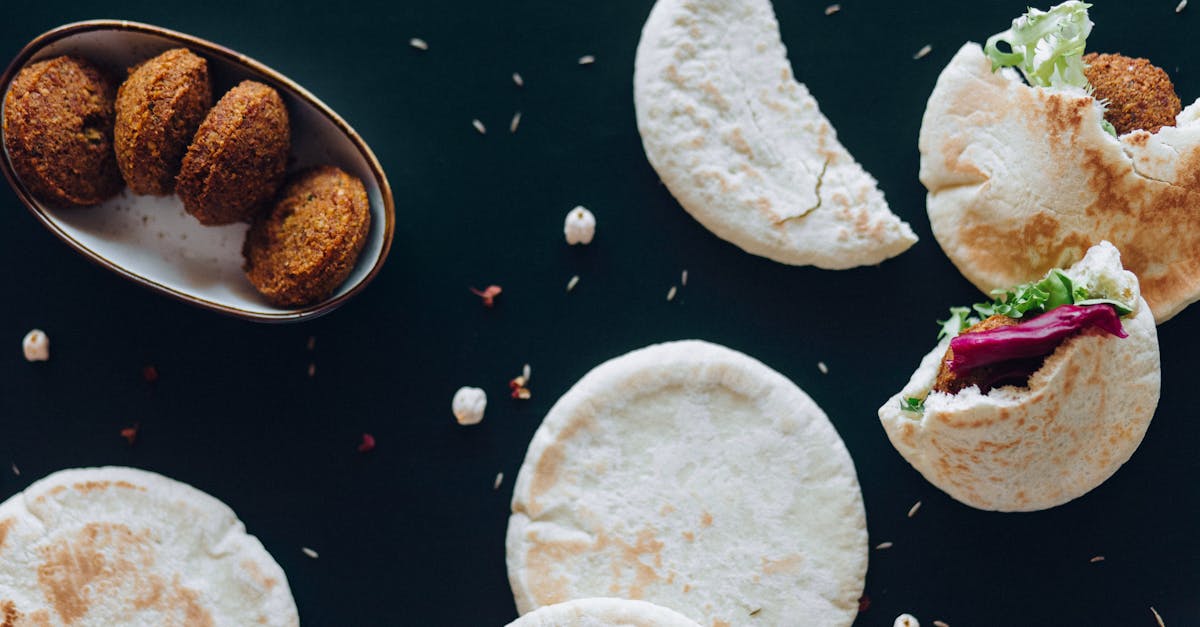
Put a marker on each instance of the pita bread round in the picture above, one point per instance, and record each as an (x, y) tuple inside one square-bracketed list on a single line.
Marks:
[(742, 146), (692, 476), (1022, 180), (118, 546), (1082, 415), (602, 612)]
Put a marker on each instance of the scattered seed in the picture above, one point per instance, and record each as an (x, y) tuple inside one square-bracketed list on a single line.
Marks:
[(833, 8), (1181, 6), (1098, 558), (671, 293), (419, 44), (367, 444), (517, 80), (516, 121), (683, 278), (912, 511), (312, 342), (1157, 617), (309, 552), (312, 370), (587, 59), (479, 127), (130, 433), (755, 611), (573, 282), (926, 49), (16, 471), (527, 372), (883, 546), (822, 367), (938, 623), (498, 481)]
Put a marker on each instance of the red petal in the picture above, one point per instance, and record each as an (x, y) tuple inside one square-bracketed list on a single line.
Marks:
[(367, 444)]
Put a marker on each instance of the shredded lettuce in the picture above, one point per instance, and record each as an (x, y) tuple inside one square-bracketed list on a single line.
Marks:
[(914, 405), (1047, 46), (959, 319), (1054, 290)]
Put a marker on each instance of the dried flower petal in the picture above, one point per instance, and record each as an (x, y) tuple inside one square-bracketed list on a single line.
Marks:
[(368, 443), (150, 374), (488, 294), (130, 433), (864, 603)]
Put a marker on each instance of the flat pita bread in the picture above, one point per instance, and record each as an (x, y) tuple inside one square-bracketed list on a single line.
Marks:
[(1083, 414), (742, 146), (603, 612), (1022, 180), (118, 546), (692, 476)]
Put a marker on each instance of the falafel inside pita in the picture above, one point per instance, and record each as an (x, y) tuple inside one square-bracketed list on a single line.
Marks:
[(1037, 397), (1024, 175)]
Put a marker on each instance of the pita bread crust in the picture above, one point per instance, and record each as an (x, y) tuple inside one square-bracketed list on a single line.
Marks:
[(604, 612), (742, 145), (1022, 180), (120, 546), (1082, 416), (693, 476)]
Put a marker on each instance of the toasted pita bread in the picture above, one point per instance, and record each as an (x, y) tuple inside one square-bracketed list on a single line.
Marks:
[(1021, 449), (692, 476), (119, 546), (602, 612), (742, 146), (1024, 179)]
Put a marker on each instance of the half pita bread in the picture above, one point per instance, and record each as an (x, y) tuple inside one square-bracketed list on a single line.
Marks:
[(118, 546), (742, 146), (692, 476), (603, 612), (1022, 180), (1082, 415)]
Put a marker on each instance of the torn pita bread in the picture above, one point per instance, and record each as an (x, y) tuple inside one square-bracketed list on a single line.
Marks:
[(692, 476), (1024, 179), (1081, 417), (742, 146), (124, 547), (603, 612)]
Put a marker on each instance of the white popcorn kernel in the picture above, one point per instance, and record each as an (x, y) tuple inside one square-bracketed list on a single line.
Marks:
[(36, 346), (468, 405), (906, 620), (580, 226)]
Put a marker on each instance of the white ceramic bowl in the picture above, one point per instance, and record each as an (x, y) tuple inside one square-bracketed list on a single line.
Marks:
[(150, 239)]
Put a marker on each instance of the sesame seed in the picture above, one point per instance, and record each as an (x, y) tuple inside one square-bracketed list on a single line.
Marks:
[(309, 552), (1098, 558), (516, 121), (498, 481), (883, 546), (312, 342), (517, 80), (755, 611), (479, 127), (683, 278), (822, 367), (833, 8), (573, 282), (938, 623), (16, 471), (671, 293), (526, 373), (1157, 617), (312, 370), (419, 44), (587, 59), (912, 511), (926, 49), (1181, 6)]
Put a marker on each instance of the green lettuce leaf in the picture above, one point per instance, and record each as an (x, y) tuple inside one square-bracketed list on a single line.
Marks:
[(914, 405), (959, 319), (1047, 46)]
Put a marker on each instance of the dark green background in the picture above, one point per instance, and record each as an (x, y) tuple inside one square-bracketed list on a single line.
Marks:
[(413, 533)]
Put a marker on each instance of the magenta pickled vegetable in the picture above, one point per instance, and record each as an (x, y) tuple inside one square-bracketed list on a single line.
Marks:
[(1037, 337)]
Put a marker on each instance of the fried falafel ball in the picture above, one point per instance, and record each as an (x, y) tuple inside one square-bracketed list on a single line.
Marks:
[(952, 383), (58, 128), (159, 108), (237, 160), (1139, 94), (307, 244)]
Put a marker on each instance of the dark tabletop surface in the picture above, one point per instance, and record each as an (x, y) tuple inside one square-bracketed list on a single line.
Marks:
[(413, 533)]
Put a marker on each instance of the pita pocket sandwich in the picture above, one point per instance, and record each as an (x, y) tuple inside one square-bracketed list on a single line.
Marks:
[(124, 547), (742, 145), (1036, 398), (1025, 176)]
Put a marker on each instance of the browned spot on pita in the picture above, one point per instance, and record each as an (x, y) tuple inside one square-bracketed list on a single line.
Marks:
[(257, 576), (673, 76), (715, 95), (738, 142), (689, 536), (786, 564), (720, 623), (687, 587), (8, 611), (73, 570), (543, 560), (5, 526), (706, 519)]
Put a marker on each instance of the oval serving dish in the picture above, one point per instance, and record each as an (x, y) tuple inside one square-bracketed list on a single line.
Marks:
[(150, 239)]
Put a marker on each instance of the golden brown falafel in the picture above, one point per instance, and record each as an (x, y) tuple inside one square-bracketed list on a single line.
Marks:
[(952, 383), (159, 107), (1139, 94), (237, 160), (306, 246), (58, 127)]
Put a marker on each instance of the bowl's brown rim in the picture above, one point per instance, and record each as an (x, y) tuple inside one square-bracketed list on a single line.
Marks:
[(205, 47)]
